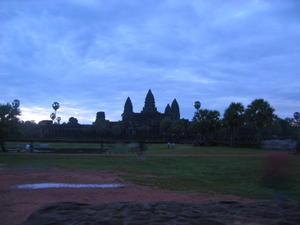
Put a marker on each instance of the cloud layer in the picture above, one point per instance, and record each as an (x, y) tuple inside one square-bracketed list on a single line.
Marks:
[(89, 55)]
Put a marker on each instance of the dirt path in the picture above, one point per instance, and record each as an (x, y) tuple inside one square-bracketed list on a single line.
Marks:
[(16, 205)]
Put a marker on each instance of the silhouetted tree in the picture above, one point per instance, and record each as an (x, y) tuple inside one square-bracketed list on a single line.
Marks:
[(55, 106), (260, 115), (297, 119), (284, 128), (28, 129), (8, 119), (52, 116), (29, 123), (73, 121), (15, 104), (197, 105), (234, 118), (175, 110), (296, 125), (206, 123)]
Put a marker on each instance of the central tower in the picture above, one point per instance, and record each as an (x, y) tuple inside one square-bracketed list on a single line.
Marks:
[(149, 106), (128, 109)]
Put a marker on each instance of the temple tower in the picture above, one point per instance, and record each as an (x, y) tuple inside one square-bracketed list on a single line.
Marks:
[(175, 110), (149, 106), (128, 109), (168, 111)]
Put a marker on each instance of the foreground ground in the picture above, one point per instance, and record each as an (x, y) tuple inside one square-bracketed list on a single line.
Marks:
[(161, 213), (16, 205), (181, 174)]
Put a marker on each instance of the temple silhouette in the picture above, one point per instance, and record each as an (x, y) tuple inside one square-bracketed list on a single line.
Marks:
[(149, 114), (133, 125), (149, 111)]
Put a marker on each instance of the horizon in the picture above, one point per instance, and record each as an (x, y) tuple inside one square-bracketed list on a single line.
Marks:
[(91, 55), (134, 110)]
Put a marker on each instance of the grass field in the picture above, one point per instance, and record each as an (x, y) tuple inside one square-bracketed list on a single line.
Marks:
[(189, 149), (230, 173), (151, 148)]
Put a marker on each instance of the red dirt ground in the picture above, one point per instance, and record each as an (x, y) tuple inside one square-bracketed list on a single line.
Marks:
[(16, 205)]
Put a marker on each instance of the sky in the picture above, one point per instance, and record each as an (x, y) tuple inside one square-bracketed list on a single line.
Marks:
[(90, 55)]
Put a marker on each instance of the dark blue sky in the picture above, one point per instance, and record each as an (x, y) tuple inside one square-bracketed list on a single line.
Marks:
[(89, 55)]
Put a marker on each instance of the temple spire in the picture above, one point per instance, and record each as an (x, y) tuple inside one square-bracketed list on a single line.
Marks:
[(149, 103), (128, 108), (168, 111), (175, 110)]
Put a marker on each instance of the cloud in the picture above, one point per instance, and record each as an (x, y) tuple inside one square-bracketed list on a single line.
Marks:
[(90, 55)]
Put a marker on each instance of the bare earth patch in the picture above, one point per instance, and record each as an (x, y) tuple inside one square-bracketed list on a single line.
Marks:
[(160, 213), (16, 205)]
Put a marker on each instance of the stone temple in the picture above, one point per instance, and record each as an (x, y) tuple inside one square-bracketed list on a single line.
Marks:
[(149, 111), (144, 123)]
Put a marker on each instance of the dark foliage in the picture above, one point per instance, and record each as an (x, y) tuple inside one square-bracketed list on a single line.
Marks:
[(239, 126), (234, 118), (73, 121), (206, 123), (8, 120)]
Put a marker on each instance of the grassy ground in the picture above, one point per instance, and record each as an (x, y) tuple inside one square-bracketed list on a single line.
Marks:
[(15, 145), (151, 148), (189, 149), (228, 174)]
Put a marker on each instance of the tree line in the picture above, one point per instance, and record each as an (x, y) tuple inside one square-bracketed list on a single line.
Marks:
[(239, 125)]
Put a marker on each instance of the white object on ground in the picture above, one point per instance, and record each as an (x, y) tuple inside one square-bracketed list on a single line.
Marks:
[(67, 185)]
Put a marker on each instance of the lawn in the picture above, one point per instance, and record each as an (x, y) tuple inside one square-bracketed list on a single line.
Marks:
[(228, 174), (189, 149), (151, 148)]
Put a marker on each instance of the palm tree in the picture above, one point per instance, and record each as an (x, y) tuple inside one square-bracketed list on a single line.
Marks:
[(260, 115), (234, 118), (52, 116), (55, 106), (197, 105)]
